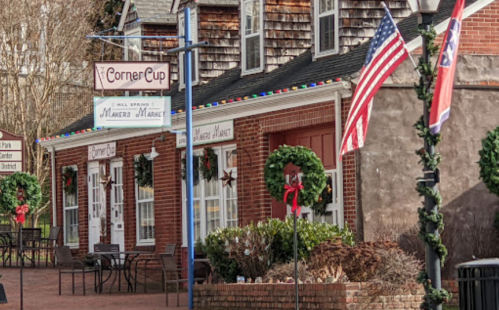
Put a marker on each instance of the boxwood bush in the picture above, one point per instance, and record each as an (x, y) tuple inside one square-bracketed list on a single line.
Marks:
[(279, 236)]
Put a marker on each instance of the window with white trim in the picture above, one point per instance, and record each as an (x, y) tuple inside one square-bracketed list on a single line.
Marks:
[(252, 36), (215, 205), (144, 197), (70, 210), (326, 27), (194, 53)]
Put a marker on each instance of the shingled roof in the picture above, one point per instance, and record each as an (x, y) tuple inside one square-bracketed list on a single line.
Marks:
[(301, 70)]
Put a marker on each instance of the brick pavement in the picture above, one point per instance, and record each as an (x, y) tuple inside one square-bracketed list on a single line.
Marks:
[(41, 293)]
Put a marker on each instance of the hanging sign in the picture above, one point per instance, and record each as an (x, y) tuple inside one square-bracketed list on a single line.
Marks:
[(128, 75), (102, 151), (11, 153), (210, 133), (130, 112)]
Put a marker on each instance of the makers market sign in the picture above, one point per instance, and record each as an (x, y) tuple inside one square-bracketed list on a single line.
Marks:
[(132, 112), (210, 133)]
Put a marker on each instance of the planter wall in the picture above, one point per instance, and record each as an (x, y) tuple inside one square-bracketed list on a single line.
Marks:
[(312, 296)]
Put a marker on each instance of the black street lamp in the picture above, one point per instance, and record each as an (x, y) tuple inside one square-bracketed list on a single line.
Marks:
[(426, 10)]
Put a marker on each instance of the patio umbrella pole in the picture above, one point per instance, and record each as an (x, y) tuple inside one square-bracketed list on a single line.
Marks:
[(22, 261), (296, 260)]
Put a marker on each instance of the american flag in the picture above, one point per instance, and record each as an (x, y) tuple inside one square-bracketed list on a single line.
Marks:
[(386, 53)]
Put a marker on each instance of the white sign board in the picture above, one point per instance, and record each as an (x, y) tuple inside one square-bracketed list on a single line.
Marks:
[(11, 153), (8, 145), (210, 133), (102, 151), (11, 167), (131, 112), (127, 75)]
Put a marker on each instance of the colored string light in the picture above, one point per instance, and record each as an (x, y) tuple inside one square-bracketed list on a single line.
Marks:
[(311, 85), (173, 112), (294, 88), (263, 94), (270, 93), (231, 100), (303, 86), (208, 105), (321, 83), (223, 102), (246, 98), (329, 81)]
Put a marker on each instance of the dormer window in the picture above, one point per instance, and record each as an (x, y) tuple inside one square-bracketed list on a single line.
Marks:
[(326, 27), (252, 36), (194, 54)]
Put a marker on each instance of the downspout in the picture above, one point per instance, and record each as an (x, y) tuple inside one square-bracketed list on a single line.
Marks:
[(54, 204)]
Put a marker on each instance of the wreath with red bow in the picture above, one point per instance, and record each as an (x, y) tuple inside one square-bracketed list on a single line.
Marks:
[(209, 164), (70, 180)]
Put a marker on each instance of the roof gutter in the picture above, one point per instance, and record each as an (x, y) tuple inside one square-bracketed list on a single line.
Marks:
[(239, 109)]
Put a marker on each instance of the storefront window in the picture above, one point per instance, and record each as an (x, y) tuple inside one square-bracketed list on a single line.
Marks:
[(214, 205), (145, 215), (70, 205)]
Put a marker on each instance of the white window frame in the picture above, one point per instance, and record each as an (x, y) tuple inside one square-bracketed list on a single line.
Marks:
[(259, 69), (150, 241), (194, 52), (220, 150), (317, 36), (65, 208)]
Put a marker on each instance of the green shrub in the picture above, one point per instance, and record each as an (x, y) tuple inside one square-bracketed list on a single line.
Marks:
[(489, 161), (269, 242)]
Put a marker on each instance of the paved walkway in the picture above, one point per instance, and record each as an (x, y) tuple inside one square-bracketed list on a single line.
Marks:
[(41, 292)]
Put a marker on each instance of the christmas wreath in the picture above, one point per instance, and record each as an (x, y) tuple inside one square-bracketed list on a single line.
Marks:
[(18, 189), (209, 164), (70, 180), (313, 180), (195, 166), (143, 171), (489, 161), (325, 198)]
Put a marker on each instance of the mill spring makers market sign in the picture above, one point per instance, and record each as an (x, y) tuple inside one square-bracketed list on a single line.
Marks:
[(129, 112), (128, 75), (11, 153), (209, 133)]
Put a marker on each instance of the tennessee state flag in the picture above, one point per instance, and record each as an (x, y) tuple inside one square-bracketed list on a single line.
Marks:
[(447, 61)]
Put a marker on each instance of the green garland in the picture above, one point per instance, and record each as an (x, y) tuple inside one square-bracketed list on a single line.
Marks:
[(423, 90), (209, 164), (143, 171), (314, 176), (195, 166), (70, 180), (11, 184), (325, 198), (489, 161)]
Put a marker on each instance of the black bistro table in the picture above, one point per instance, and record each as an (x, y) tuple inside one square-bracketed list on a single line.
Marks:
[(115, 259)]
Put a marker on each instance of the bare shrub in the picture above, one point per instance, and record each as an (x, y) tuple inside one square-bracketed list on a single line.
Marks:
[(396, 272), (282, 271)]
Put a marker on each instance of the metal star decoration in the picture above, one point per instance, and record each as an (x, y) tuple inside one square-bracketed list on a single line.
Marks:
[(227, 178)]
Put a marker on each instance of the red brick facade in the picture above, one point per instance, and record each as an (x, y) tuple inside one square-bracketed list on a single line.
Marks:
[(254, 203)]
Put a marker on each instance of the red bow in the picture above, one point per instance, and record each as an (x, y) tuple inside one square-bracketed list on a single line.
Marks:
[(293, 189), (21, 211)]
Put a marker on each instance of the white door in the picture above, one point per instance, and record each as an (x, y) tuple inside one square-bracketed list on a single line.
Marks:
[(94, 205), (117, 223)]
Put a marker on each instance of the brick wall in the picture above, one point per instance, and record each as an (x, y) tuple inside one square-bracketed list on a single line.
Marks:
[(312, 296), (452, 286)]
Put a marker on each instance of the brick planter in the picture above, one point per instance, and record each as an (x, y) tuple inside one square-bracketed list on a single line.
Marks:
[(312, 296)]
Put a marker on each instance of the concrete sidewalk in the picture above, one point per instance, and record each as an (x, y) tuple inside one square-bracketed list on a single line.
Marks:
[(41, 292)]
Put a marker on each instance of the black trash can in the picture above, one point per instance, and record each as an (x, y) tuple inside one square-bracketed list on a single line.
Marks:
[(479, 284)]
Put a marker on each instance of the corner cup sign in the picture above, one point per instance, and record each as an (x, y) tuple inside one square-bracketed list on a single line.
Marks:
[(132, 112), (132, 76)]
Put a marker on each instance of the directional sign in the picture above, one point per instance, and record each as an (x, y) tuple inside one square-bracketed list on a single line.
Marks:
[(11, 153)]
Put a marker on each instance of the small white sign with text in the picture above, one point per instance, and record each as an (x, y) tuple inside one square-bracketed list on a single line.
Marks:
[(102, 151), (136, 76), (209, 133), (132, 112)]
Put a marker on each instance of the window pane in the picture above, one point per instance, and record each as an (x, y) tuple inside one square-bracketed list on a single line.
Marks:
[(326, 5), (70, 200), (133, 47), (71, 228), (253, 52), (211, 188), (231, 159), (231, 192), (232, 211), (212, 215), (252, 15), (146, 220), (146, 193), (197, 220), (326, 33)]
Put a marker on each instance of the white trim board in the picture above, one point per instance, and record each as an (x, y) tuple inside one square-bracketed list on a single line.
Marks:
[(440, 28), (240, 109)]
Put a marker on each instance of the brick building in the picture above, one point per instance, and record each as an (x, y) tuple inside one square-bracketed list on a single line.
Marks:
[(276, 72)]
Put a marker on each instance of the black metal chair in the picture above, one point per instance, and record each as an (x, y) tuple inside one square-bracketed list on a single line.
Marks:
[(73, 266), (31, 238), (47, 244), (170, 249), (113, 262), (171, 269)]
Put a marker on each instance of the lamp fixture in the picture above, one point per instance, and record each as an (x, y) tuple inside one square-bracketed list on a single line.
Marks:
[(155, 154), (424, 6)]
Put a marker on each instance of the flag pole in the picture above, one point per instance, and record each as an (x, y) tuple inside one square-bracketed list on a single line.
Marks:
[(405, 46)]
